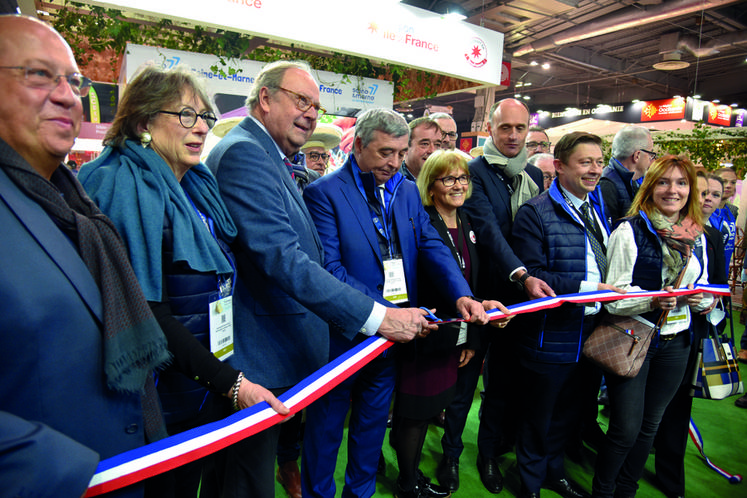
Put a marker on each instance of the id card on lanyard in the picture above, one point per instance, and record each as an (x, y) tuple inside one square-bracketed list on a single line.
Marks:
[(220, 307), (395, 285)]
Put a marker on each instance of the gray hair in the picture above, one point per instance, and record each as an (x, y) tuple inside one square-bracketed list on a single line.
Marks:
[(536, 158), (441, 115), (271, 77), (629, 139), (383, 120)]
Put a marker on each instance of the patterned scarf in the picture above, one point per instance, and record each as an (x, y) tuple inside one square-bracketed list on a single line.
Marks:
[(679, 238), (134, 345)]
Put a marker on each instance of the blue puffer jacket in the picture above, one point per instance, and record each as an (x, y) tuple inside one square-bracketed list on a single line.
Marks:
[(551, 241), (189, 293)]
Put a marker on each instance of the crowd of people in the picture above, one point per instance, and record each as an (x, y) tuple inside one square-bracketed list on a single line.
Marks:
[(115, 282)]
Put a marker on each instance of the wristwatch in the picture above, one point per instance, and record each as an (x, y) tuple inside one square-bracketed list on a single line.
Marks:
[(522, 280)]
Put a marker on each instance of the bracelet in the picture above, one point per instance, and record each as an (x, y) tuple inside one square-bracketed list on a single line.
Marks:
[(236, 386)]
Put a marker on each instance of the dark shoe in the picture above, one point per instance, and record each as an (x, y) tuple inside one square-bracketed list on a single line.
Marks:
[(566, 489), (290, 478), (381, 469), (490, 474), (741, 402), (448, 473), (423, 489)]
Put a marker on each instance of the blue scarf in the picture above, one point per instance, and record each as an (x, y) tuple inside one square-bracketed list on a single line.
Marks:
[(146, 189)]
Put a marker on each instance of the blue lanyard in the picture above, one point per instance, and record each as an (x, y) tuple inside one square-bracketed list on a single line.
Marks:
[(225, 284), (385, 228)]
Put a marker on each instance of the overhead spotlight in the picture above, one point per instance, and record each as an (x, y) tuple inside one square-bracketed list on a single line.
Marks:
[(734, 105), (451, 10), (697, 96), (526, 97), (517, 95), (546, 65), (716, 101), (677, 97), (534, 63)]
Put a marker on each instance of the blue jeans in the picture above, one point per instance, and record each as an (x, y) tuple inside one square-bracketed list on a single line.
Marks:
[(636, 408)]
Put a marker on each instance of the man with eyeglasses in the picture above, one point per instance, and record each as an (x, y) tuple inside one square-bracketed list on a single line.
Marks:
[(326, 137), (377, 237), (632, 154), (285, 301), (545, 162), (537, 141), (70, 301), (448, 127), (425, 138)]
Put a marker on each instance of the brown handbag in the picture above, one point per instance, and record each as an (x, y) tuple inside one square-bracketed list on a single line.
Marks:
[(618, 345)]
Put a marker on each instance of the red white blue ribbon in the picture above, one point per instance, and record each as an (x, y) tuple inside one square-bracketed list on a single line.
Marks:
[(155, 458), (698, 440)]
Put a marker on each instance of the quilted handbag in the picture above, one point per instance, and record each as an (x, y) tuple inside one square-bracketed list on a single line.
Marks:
[(618, 345)]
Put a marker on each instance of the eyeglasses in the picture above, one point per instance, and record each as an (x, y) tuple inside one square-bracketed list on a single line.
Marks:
[(534, 145), (450, 134), (548, 176), (652, 155), (303, 103), (450, 181), (188, 117), (38, 77), (316, 156)]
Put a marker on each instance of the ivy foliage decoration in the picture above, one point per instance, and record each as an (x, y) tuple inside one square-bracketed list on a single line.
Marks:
[(89, 29), (707, 145)]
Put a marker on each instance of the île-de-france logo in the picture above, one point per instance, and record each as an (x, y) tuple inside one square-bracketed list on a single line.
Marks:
[(477, 55)]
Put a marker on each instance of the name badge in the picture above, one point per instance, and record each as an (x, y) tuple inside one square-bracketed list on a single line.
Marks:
[(678, 315), (221, 327), (395, 285)]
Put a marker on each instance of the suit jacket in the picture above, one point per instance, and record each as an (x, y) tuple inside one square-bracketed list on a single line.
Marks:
[(490, 210), (51, 354), (351, 247), (283, 297)]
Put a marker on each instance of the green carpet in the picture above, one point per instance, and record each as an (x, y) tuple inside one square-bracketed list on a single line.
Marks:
[(722, 425)]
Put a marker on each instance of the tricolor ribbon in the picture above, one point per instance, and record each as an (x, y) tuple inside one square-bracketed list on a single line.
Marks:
[(141, 463), (698, 440)]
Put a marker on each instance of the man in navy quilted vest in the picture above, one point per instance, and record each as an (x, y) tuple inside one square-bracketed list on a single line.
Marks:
[(562, 236)]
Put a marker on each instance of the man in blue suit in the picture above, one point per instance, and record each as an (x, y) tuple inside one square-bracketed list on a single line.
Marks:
[(284, 298), (65, 401), (375, 231)]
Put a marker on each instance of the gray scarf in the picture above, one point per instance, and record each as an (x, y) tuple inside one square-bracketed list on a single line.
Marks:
[(512, 169)]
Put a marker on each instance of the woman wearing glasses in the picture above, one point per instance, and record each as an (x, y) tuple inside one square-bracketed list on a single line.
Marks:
[(167, 208), (427, 368)]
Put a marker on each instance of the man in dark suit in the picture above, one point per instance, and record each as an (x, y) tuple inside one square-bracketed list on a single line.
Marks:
[(375, 231), (284, 298), (65, 400), (501, 181), (425, 139)]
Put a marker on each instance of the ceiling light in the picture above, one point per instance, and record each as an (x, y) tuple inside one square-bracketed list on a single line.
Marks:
[(696, 96), (534, 63), (546, 65), (671, 61), (517, 95), (716, 101), (451, 10), (526, 97)]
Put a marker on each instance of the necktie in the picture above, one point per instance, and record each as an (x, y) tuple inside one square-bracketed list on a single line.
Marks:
[(596, 245), (289, 165), (381, 196)]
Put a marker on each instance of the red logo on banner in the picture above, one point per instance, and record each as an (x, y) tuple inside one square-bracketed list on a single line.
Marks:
[(662, 110), (477, 53), (505, 73), (719, 114)]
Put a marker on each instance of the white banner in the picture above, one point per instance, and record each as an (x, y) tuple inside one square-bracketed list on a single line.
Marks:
[(338, 96), (384, 31)]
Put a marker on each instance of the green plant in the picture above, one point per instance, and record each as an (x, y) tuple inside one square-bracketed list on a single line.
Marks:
[(707, 145)]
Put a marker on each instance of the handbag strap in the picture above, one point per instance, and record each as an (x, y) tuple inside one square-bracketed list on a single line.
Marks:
[(675, 285)]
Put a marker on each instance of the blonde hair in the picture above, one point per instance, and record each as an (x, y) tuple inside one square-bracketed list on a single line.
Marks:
[(438, 164)]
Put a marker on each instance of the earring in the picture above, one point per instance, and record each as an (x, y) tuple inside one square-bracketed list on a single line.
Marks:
[(145, 139)]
